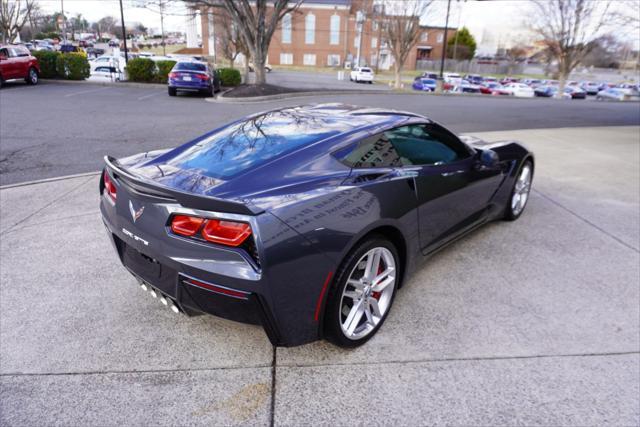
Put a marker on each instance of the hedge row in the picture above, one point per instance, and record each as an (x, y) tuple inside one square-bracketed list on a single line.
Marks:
[(69, 66), (147, 71)]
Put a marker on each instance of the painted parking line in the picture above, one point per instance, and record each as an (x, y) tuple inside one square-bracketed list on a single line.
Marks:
[(82, 92), (150, 95)]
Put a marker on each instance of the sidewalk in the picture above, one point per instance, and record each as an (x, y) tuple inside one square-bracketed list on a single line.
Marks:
[(530, 322)]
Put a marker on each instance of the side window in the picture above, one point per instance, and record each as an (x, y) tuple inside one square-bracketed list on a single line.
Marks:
[(373, 152), (427, 144)]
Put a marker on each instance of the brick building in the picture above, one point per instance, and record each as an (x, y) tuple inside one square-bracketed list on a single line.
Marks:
[(324, 33)]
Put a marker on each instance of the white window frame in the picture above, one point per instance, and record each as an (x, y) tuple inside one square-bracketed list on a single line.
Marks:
[(286, 28), (334, 30), (310, 28), (286, 58), (307, 59), (440, 37), (374, 42), (424, 37)]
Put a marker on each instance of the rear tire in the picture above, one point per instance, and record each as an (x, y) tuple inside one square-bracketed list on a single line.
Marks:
[(208, 92), (172, 91), (355, 297), (32, 76)]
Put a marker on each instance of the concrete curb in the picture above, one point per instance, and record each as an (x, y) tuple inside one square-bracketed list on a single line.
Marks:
[(42, 181), (247, 100)]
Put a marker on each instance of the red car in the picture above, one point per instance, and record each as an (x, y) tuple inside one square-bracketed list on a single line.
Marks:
[(16, 62)]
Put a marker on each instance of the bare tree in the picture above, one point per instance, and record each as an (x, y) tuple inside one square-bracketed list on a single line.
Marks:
[(627, 14), (401, 28), (514, 55), (13, 15), (569, 30), (256, 21)]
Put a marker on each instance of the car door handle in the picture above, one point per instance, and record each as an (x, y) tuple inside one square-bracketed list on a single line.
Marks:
[(452, 173)]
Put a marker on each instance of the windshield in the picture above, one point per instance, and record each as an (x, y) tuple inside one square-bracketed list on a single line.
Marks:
[(248, 144), (190, 66), (428, 82)]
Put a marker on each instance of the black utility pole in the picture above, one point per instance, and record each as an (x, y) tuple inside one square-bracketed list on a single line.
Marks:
[(444, 41), (124, 34)]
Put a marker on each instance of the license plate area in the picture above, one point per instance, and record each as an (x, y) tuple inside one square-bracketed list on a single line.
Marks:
[(146, 267)]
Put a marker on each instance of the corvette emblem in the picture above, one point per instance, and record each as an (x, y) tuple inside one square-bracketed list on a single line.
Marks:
[(135, 214)]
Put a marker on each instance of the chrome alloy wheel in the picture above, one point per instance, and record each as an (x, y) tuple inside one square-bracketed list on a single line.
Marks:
[(368, 293), (521, 190), (33, 76)]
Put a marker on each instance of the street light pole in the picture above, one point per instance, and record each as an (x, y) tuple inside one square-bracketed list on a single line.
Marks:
[(64, 23), (124, 35), (444, 41)]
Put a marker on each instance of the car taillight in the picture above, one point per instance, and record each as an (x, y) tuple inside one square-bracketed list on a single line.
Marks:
[(174, 75), (224, 232), (202, 76), (228, 233), (109, 186), (186, 225)]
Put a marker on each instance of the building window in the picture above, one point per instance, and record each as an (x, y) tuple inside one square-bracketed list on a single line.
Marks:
[(440, 37), (334, 37), (310, 29), (375, 26), (309, 59), (374, 42), (286, 28), (356, 40), (286, 59), (424, 37), (333, 60)]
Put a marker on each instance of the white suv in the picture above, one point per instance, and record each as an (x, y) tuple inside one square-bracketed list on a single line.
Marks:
[(361, 74)]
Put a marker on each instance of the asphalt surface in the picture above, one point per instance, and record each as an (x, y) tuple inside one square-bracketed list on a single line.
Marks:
[(532, 322), (56, 129)]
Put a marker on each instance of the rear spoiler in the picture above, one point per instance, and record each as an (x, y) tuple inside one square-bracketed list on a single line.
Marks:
[(146, 187)]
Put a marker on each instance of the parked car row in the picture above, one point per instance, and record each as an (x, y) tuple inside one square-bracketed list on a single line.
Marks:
[(523, 88)]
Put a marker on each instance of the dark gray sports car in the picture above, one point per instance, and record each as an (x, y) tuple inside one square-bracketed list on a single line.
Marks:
[(306, 220)]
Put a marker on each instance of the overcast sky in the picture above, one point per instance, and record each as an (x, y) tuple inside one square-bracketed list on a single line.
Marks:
[(491, 22)]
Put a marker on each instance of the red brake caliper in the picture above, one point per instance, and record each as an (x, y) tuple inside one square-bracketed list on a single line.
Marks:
[(375, 294)]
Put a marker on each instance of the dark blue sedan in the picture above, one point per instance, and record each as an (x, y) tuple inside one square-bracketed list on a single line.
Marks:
[(193, 76), (425, 84), (306, 220)]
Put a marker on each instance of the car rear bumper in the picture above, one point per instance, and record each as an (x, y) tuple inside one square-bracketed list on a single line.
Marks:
[(193, 85), (193, 291)]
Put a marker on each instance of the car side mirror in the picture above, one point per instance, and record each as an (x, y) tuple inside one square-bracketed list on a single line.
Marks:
[(488, 159)]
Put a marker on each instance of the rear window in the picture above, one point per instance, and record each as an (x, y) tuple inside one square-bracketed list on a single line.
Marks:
[(248, 144), (190, 66), (365, 70)]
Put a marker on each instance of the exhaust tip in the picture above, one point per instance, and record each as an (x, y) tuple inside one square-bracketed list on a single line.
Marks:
[(154, 293)]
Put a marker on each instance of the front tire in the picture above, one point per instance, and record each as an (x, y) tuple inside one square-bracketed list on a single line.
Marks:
[(362, 293), (32, 76), (520, 192)]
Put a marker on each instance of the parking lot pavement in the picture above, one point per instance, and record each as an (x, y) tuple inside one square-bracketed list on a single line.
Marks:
[(531, 322), (314, 80), (56, 129)]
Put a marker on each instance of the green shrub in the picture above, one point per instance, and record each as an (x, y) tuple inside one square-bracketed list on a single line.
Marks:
[(162, 73), (48, 62), (73, 66), (229, 77), (141, 70)]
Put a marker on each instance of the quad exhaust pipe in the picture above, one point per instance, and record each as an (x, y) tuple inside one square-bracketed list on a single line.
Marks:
[(165, 300)]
